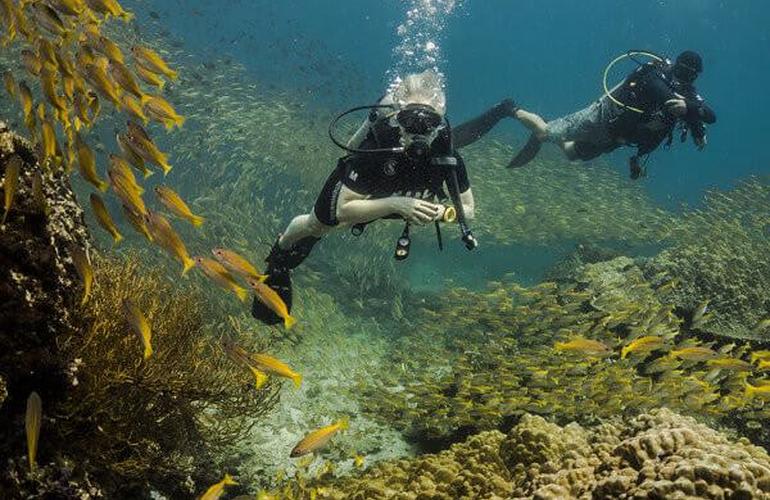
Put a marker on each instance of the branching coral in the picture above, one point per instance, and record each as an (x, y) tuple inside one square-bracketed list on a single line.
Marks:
[(162, 417)]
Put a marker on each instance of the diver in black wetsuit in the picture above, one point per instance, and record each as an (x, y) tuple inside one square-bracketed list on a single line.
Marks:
[(403, 157), (643, 111)]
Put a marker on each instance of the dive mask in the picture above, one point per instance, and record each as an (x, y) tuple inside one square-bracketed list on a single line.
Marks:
[(419, 125)]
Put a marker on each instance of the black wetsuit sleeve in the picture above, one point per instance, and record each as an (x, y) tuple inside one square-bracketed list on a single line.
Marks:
[(463, 183)]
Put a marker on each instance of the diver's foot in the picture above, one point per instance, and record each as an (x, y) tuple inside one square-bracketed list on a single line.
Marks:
[(527, 153), (280, 281), (508, 107)]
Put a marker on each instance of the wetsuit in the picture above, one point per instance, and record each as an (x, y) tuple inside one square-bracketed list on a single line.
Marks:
[(380, 175)]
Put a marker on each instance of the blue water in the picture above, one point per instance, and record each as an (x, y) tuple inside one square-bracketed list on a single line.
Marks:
[(549, 55)]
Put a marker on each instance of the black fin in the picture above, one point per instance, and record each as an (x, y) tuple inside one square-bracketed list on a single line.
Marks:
[(527, 153), (280, 281)]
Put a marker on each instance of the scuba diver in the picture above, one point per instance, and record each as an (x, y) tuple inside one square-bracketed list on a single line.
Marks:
[(400, 159), (642, 111)]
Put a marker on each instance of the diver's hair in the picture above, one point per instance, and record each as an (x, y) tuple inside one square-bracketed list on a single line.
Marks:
[(421, 88)]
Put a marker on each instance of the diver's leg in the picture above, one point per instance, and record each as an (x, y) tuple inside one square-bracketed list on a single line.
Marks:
[(302, 226), (471, 131)]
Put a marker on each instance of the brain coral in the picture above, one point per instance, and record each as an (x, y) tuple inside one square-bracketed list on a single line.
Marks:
[(660, 454)]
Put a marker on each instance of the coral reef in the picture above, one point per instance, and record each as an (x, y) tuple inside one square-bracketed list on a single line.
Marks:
[(660, 454), (38, 286)]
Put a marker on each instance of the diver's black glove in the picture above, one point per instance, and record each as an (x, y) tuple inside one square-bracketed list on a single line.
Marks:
[(635, 168)]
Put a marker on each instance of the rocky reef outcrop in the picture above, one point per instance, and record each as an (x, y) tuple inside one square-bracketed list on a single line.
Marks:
[(659, 454), (38, 285)]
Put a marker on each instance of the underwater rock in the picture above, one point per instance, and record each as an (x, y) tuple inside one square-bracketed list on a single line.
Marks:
[(660, 454), (38, 284)]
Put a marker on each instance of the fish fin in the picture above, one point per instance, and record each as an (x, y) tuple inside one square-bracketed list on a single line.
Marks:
[(188, 264), (260, 377), (289, 321), (196, 220), (297, 379), (169, 124), (242, 294)]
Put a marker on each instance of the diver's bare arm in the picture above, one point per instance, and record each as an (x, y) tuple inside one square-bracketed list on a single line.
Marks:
[(354, 208), (469, 205)]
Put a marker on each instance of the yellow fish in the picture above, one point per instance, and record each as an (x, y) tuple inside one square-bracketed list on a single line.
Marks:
[(87, 164), (97, 77), (215, 491), (67, 7), (176, 205), (584, 346), (27, 103), (47, 18), (10, 84), (120, 168), (136, 221), (730, 364), (133, 107), (760, 355), (269, 364), (241, 357), (644, 344), (160, 110), (33, 420), (762, 390), (123, 77), (141, 143), (237, 264), (149, 77), (219, 275), (31, 62), (109, 8), (104, 218), (132, 156), (764, 364), (152, 61), (271, 299), (47, 136), (103, 45), (127, 194), (318, 438), (84, 270), (10, 184), (695, 353), (135, 318), (165, 236)]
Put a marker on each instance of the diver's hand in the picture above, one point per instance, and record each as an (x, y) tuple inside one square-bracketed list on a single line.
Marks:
[(700, 142), (676, 107), (415, 210)]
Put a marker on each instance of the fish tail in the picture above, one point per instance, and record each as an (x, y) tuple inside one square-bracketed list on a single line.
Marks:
[(228, 479), (289, 321), (344, 423), (147, 351), (147, 172), (242, 294), (559, 346), (623, 353), (261, 277), (172, 74), (145, 99), (749, 391), (117, 237), (297, 379), (102, 185), (196, 220), (126, 16), (161, 84), (188, 264), (179, 120), (169, 124)]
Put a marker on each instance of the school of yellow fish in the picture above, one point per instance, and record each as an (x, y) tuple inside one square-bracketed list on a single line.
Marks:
[(75, 67)]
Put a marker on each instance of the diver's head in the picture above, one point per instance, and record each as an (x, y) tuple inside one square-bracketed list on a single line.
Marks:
[(421, 105), (688, 66)]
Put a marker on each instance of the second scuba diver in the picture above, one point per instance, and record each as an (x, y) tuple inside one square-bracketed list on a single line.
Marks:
[(401, 159), (642, 111)]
